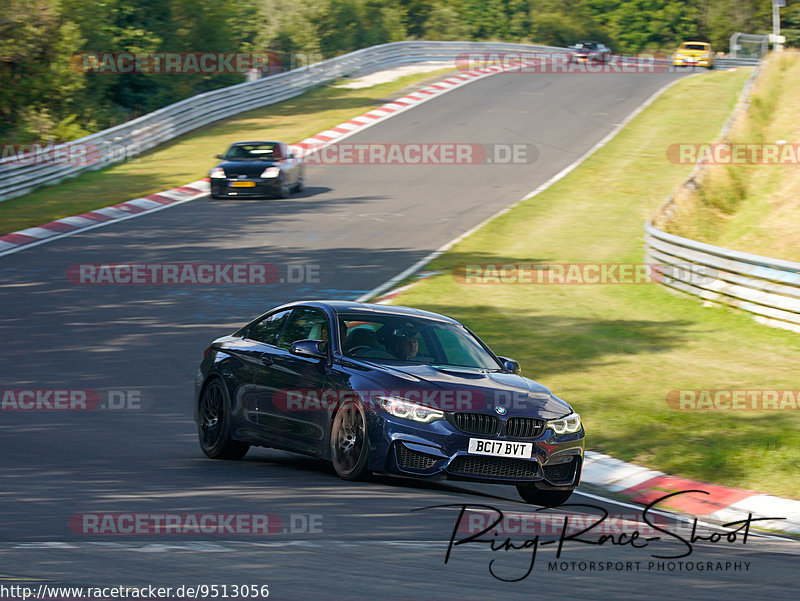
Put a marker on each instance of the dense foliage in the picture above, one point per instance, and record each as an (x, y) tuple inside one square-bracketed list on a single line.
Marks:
[(43, 98)]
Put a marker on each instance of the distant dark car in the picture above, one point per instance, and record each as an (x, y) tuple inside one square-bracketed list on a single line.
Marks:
[(589, 52), (375, 388), (250, 169)]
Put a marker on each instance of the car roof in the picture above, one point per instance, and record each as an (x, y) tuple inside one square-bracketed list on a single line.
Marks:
[(342, 306), (254, 142)]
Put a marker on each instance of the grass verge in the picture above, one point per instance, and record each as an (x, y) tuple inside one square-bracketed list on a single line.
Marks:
[(616, 351), (752, 207), (189, 157)]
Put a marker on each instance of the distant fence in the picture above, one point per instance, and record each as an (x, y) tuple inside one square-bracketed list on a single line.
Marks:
[(767, 288), (728, 63)]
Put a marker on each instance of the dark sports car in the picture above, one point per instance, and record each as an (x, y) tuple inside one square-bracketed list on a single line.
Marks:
[(250, 169), (386, 389), (589, 52)]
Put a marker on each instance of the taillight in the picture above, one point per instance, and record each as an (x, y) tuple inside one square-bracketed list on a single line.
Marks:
[(205, 352)]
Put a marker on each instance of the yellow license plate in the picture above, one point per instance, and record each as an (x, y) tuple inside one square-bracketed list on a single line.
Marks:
[(244, 184)]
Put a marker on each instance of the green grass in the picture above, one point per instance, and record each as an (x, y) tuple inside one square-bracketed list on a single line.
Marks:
[(615, 352), (189, 157), (754, 208)]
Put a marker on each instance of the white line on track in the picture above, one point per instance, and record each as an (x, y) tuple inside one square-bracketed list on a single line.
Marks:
[(16, 249)]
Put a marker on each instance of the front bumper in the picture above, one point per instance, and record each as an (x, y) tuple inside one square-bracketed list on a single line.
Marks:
[(251, 187), (439, 450), (692, 62)]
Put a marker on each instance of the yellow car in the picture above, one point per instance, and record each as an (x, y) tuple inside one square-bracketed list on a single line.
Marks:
[(694, 54)]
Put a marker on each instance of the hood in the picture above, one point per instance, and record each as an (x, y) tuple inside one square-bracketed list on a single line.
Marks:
[(455, 389), (249, 168)]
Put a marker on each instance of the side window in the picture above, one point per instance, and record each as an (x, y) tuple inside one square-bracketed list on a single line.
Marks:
[(304, 324), (268, 329)]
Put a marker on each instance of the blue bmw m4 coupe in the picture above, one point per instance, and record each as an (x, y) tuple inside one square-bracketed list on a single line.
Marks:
[(386, 389)]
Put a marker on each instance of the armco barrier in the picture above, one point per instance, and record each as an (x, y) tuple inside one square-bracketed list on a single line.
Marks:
[(176, 119), (728, 63), (767, 288)]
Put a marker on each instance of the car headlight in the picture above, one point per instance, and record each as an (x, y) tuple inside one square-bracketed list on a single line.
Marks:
[(271, 172), (404, 409), (217, 173), (565, 425)]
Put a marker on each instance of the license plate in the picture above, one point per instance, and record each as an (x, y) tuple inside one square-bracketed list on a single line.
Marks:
[(242, 184), (501, 448)]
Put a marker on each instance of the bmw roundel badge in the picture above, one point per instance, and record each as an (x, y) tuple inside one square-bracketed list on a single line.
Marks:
[(500, 410)]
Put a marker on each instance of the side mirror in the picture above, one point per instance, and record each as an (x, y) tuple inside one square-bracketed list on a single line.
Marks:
[(309, 348), (510, 365), (219, 156)]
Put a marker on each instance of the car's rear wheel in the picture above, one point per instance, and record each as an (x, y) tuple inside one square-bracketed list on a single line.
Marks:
[(214, 427), (546, 497), (349, 443)]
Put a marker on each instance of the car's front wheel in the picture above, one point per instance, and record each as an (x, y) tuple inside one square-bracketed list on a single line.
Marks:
[(284, 190), (214, 427), (349, 443), (545, 497)]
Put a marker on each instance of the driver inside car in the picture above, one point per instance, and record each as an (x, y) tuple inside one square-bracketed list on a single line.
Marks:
[(403, 343)]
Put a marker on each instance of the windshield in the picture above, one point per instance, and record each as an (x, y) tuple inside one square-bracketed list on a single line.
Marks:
[(695, 47), (395, 340), (260, 152)]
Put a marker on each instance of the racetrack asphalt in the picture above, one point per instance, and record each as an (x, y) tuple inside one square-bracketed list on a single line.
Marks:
[(357, 226)]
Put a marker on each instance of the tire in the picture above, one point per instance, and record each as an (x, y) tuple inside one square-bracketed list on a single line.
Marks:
[(283, 190), (300, 185), (349, 442), (544, 497), (214, 429)]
